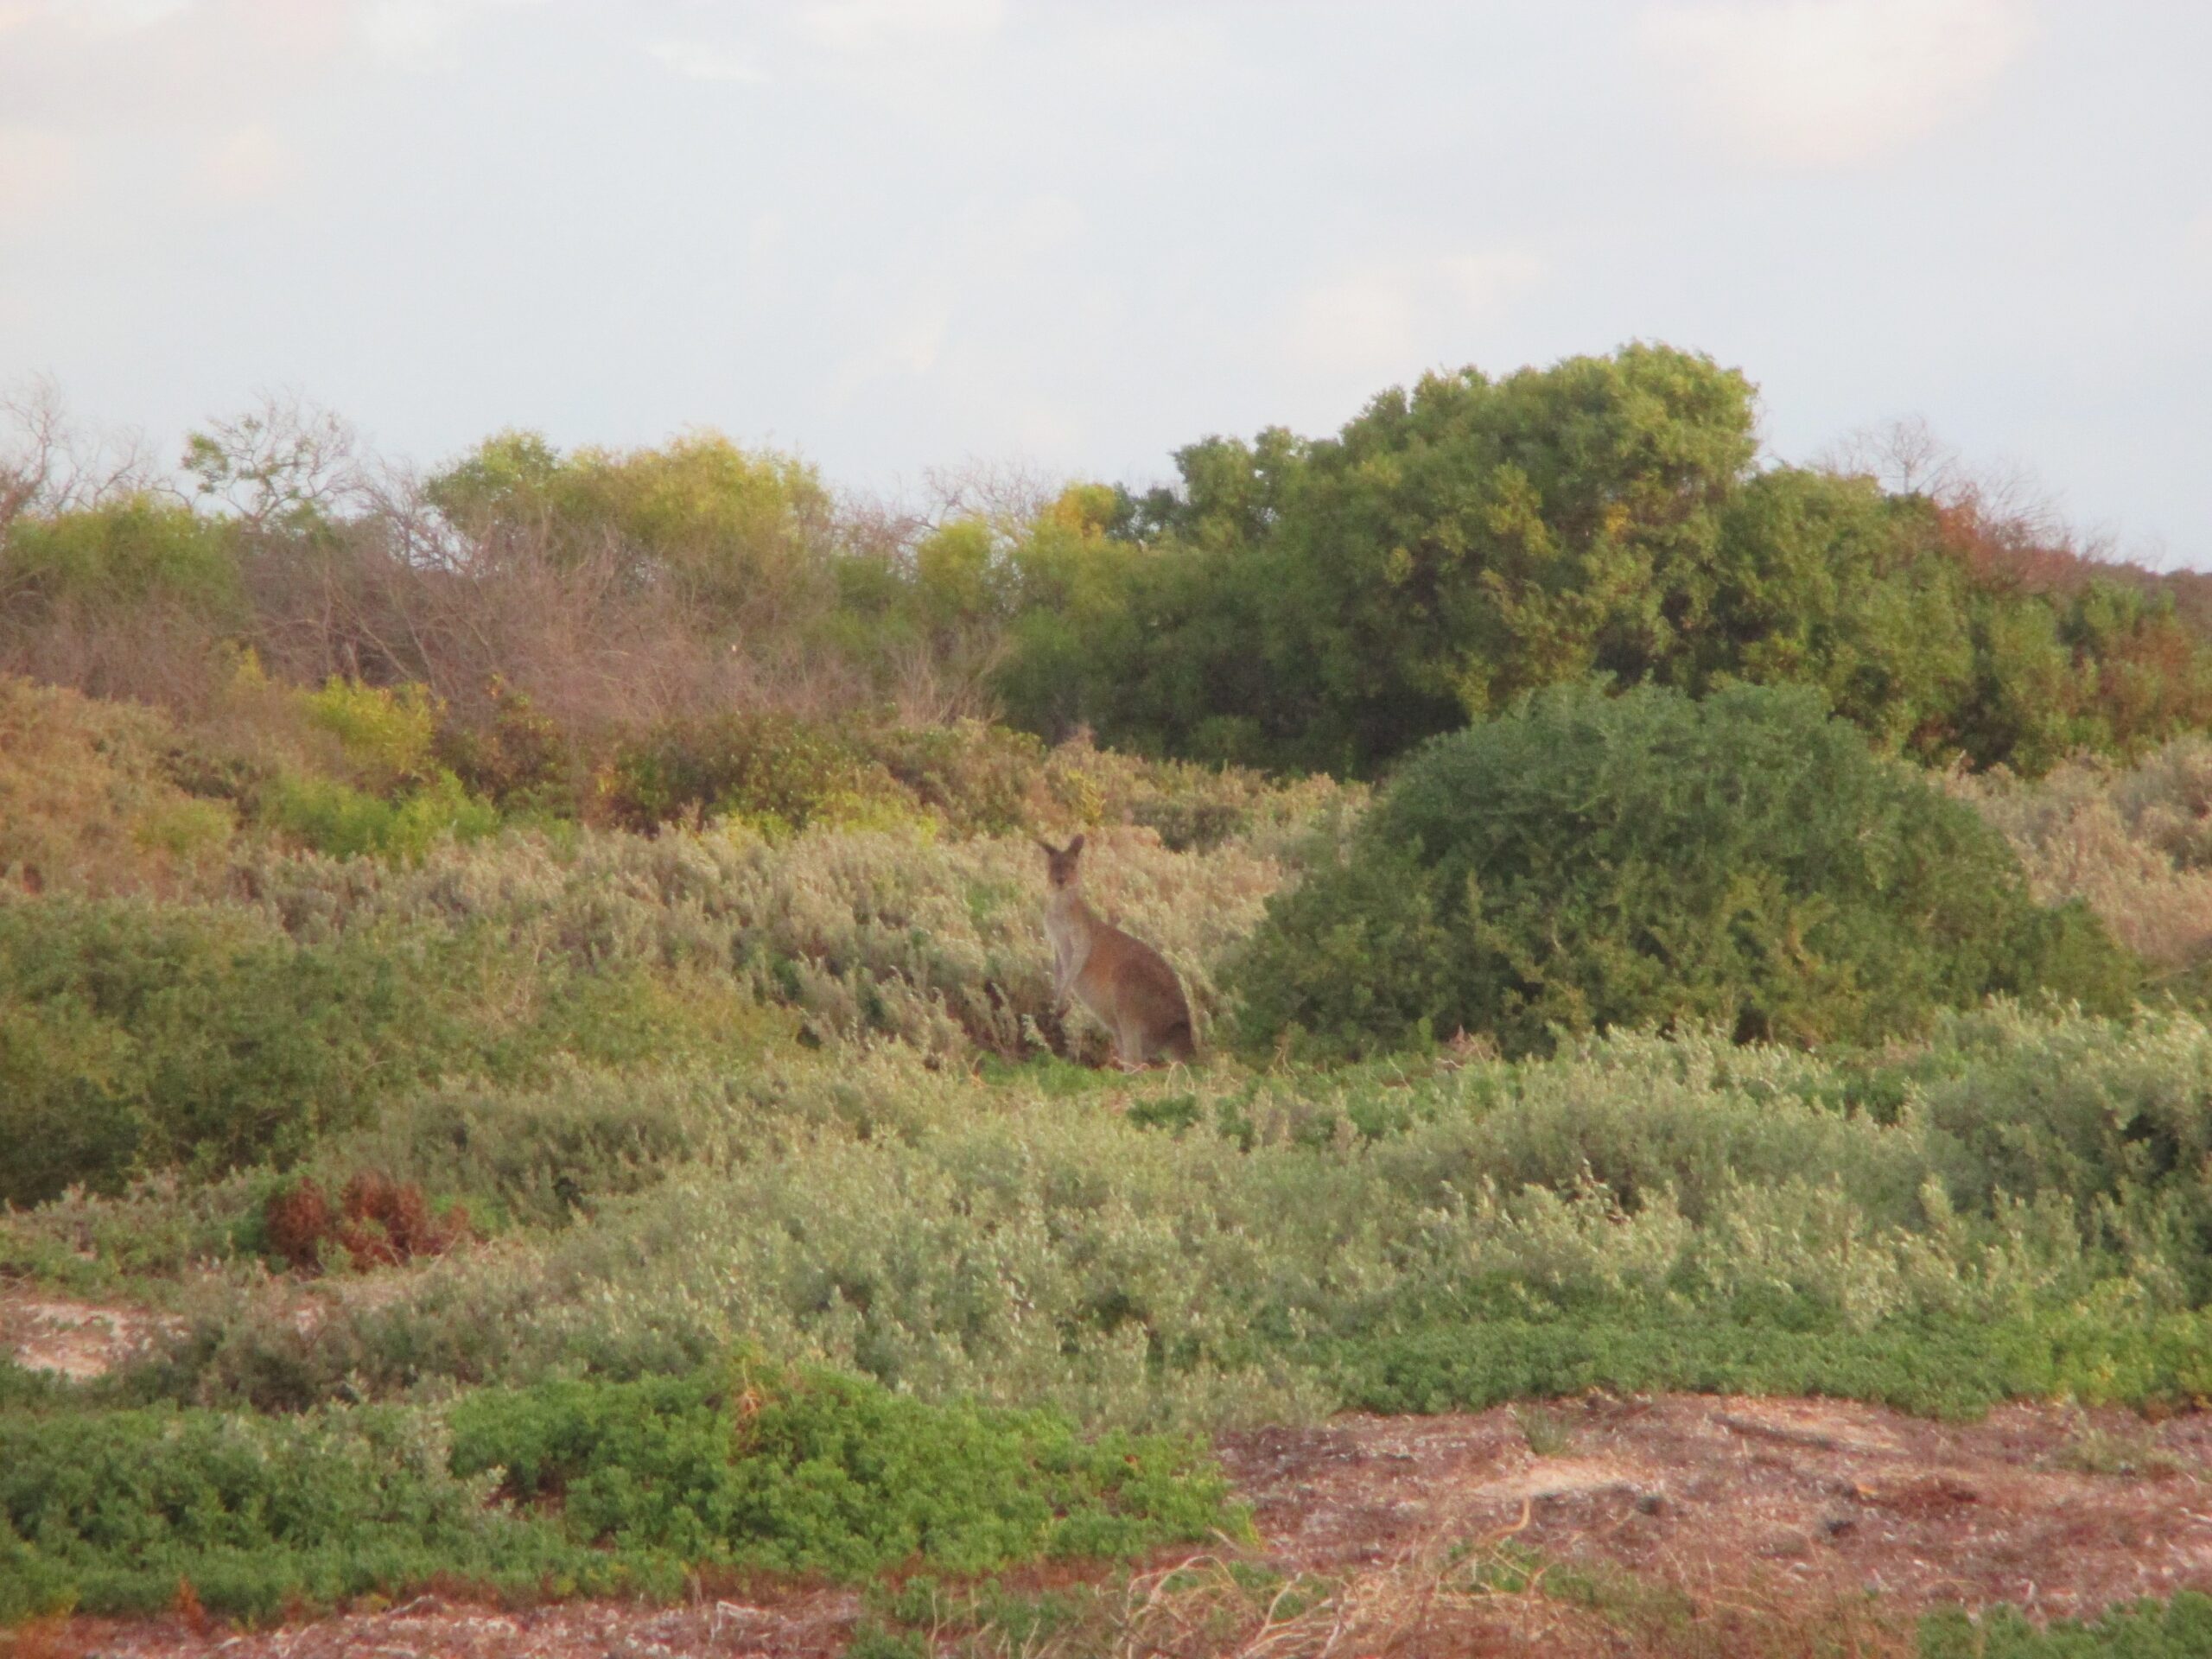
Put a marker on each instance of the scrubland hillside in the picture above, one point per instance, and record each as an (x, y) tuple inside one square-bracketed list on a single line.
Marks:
[(522, 1005)]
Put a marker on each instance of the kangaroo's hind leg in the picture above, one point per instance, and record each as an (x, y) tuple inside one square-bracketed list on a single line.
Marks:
[(1129, 1044)]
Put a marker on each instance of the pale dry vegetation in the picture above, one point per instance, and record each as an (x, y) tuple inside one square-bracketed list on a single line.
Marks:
[(2133, 842)]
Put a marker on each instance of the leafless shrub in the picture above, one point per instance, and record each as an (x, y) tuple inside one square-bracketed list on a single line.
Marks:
[(48, 464)]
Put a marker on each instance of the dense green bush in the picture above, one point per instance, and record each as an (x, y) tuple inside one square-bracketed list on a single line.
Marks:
[(627, 1486), (330, 816), (136, 1037), (1588, 861)]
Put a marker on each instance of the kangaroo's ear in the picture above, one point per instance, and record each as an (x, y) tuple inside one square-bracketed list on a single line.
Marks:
[(1046, 847), (1075, 846)]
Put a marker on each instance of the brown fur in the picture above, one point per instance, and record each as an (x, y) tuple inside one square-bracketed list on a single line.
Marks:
[(1123, 980)]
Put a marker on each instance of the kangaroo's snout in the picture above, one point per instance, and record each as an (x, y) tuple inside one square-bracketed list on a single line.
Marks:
[(1060, 863)]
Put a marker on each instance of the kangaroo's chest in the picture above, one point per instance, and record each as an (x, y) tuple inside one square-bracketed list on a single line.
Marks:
[(1065, 928)]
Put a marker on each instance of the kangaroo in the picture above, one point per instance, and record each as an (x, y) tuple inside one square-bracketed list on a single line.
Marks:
[(1126, 982)]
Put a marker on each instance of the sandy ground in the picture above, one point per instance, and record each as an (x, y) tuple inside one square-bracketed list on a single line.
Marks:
[(78, 1340), (1756, 1515)]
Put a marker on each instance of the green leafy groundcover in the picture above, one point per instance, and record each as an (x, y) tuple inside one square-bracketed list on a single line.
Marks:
[(1952, 1368), (2180, 1629), (565, 1488)]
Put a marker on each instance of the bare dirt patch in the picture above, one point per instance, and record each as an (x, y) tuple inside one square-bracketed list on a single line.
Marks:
[(1708, 1525), (1810, 1501), (76, 1340)]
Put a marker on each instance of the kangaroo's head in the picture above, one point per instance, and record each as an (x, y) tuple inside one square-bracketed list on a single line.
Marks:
[(1060, 863)]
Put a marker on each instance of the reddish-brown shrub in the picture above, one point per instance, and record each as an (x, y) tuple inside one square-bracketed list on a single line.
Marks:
[(297, 1221), (379, 1222)]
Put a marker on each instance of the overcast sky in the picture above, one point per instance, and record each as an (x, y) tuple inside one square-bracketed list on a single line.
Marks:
[(893, 234)]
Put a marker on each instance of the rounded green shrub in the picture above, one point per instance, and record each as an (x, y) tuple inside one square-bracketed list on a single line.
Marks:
[(1589, 860)]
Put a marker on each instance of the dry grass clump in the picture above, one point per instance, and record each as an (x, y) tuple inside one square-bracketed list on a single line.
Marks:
[(2133, 842), (1449, 1589), (85, 806)]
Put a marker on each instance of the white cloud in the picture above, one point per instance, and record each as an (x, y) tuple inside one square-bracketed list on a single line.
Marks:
[(859, 25), (421, 34), (2196, 238), (108, 16), (910, 345), (247, 161), (699, 60), (1382, 322), (1829, 83), (36, 168)]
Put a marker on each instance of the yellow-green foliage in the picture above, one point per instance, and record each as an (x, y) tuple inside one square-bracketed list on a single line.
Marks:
[(386, 732), (741, 531), (334, 818), (85, 806), (134, 549)]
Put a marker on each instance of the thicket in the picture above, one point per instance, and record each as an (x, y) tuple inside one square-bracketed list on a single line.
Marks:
[(1330, 603), (1586, 861), (1319, 604), (567, 1488)]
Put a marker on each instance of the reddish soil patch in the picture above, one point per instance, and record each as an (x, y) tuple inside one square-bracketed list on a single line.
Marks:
[(1798, 1497), (813, 1626), (1756, 1517)]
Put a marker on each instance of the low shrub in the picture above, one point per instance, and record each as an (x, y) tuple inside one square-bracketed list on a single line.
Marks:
[(327, 816), (768, 770), (1229, 1247), (1589, 861), (377, 1222), (136, 1038), (133, 1037), (807, 1470)]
